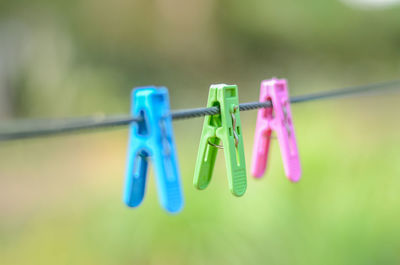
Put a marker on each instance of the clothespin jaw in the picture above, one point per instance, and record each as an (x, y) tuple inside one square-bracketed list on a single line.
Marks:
[(225, 127), (152, 138), (276, 118)]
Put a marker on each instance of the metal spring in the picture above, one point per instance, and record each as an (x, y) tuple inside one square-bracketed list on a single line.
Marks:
[(235, 135)]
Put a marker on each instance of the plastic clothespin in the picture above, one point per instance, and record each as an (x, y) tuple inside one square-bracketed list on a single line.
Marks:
[(152, 138), (277, 118), (225, 127)]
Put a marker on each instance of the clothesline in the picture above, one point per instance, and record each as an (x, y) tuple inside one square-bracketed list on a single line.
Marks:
[(151, 136), (21, 129)]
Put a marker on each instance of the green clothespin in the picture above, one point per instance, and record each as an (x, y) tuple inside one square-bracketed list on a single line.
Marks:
[(224, 126)]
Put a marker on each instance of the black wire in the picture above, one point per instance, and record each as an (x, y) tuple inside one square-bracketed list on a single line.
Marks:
[(346, 92), (32, 128), (37, 128), (193, 113)]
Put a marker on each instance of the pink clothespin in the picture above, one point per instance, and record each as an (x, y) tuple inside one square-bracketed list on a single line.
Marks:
[(277, 118)]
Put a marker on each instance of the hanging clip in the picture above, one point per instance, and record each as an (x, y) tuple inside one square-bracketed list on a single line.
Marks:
[(276, 118), (225, 127), (152, 138)]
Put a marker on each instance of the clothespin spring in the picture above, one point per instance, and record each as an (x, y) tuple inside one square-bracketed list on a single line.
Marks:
[(235, 135), (167, 150), (215, 145), (285, 114)]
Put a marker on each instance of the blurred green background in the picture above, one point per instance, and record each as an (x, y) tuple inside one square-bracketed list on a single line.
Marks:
[(61, 197)]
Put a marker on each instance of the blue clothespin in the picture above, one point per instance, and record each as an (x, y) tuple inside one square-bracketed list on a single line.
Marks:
[(152, 139)]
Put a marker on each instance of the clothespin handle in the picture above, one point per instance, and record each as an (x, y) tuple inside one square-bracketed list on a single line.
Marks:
[(277, 118), (224, 127), (152, 139)]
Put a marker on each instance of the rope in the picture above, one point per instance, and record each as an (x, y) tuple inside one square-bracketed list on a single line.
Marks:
[(39, 128)]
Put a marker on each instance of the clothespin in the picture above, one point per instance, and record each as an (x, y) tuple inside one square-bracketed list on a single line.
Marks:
[(276, 118), (225, 127), (152, 138)]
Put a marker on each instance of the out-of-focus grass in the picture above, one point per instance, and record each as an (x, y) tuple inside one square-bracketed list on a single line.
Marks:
[(61, 198)]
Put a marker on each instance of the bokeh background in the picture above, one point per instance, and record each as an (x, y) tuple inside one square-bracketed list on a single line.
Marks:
[(61, 197)]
